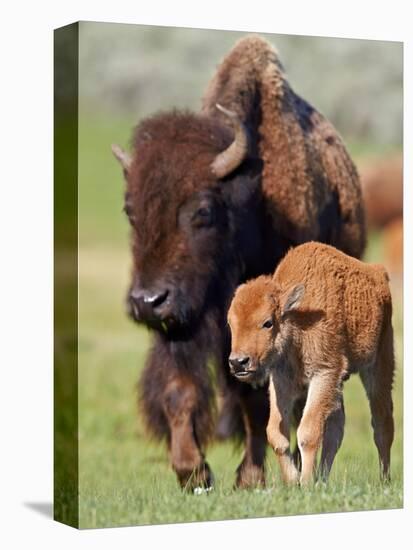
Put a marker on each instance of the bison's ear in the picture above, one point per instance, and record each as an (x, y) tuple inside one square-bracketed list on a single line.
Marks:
[(123, 158), (245, 184), (293, 300)]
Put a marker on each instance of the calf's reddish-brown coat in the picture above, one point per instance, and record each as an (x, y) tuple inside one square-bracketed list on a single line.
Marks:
[(321, 317)]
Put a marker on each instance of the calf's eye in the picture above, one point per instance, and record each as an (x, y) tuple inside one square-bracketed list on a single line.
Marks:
[(267, 324)]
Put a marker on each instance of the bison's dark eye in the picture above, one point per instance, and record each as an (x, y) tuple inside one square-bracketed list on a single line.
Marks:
[(203, 216), (267, 324)]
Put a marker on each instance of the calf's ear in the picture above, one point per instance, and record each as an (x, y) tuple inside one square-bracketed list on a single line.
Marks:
[(123, 158), (293, 299)]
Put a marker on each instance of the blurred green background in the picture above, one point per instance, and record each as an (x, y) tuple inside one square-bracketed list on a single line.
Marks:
[(127, 72)]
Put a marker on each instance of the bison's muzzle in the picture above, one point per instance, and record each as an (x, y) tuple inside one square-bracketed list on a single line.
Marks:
[(150, 305)]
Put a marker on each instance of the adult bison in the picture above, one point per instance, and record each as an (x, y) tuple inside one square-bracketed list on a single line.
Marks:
[(215, 198)]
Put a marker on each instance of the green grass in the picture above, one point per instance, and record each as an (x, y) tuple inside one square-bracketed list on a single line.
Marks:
[(124, 478)]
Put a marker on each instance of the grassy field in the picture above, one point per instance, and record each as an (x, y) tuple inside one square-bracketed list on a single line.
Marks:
[(124, 478)]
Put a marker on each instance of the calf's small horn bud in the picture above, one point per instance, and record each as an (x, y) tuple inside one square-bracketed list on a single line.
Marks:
[(227, 161)]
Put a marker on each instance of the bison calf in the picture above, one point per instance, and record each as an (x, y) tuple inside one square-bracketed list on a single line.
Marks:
[(321, 317)]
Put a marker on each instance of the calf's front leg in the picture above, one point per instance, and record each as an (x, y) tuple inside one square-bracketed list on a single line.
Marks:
[(278, 428), (332, 438), (321, 401)]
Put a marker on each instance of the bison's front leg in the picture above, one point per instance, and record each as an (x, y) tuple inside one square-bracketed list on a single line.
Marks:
[(255, 410), (180, 405), (176, 399)]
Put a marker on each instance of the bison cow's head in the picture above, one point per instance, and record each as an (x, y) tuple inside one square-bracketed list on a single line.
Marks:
[(190, 198)]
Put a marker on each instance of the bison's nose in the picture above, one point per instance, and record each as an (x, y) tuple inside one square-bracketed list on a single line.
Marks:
[(147, 304), (238, 362), (156, 299)]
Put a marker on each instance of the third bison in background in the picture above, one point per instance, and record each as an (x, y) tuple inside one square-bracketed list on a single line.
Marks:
[(321, 317)]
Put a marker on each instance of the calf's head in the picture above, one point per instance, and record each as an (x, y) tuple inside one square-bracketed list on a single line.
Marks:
[(258, 318), (189, 197)]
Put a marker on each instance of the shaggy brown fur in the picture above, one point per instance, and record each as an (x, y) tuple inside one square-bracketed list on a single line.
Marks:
[(321, 317), (173, 154), (302, 153), (195, 237)]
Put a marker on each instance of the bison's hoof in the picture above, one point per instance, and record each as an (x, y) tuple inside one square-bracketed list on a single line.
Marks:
[(203, 490), (200, 478), (250, 477)]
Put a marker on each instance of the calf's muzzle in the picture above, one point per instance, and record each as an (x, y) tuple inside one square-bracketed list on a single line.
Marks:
[(239, 364)]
